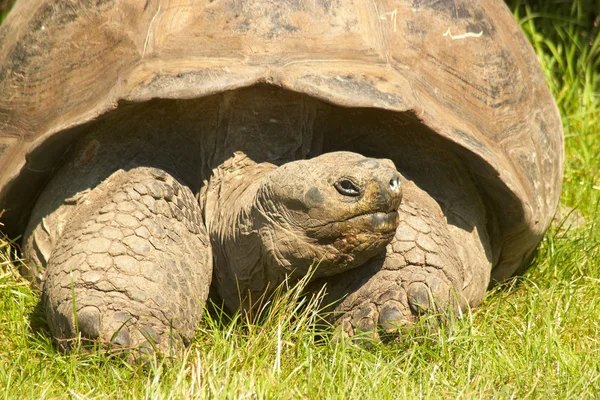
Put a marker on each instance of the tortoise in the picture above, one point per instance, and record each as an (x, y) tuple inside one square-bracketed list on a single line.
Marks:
[(152, 152)]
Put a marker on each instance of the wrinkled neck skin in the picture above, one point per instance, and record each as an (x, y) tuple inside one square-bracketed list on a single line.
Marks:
[(254, 245), (267, 222), (233, 224)]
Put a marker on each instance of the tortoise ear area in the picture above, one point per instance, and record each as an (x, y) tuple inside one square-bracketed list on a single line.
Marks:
[(313, 197)]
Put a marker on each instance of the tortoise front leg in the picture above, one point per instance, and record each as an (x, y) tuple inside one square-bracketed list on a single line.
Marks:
[(422, 270), (132, 267)]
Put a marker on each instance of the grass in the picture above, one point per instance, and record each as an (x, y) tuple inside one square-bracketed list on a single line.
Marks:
[(536, 336), (5, 6)]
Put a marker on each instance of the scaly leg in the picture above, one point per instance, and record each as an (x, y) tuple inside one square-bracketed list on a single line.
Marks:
[(422, 270), (132, 265)]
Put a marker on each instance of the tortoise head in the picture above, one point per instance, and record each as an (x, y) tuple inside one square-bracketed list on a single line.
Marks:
[(338, 210)]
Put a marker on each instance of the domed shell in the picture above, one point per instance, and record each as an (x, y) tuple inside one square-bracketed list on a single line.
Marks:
[(463, 68)]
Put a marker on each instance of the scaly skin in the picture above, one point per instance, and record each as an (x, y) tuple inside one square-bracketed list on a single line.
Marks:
[(266, 223), (260, 222), (136, 257), (135, 251), (420, 271), (129, 261)]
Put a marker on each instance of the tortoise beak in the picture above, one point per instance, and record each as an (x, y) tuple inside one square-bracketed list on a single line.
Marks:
[(383, 194), (385, 222)]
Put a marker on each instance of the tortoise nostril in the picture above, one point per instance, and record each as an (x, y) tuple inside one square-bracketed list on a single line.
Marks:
[(395, 184)]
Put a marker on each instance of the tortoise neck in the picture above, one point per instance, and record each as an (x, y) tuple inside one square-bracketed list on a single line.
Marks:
[(230, 215)]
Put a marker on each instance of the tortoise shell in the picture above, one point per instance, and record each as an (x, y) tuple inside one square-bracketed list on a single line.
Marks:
[(461, 70)]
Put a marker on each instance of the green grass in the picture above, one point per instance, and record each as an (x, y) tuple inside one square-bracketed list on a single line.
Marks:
[(5, 6), (537, 336)]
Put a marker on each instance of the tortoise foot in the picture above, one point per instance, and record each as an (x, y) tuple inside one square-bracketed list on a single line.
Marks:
[(132, 268), (420, 273), (383, 303)]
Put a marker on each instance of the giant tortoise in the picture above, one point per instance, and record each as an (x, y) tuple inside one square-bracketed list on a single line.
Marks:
[(410, 152)]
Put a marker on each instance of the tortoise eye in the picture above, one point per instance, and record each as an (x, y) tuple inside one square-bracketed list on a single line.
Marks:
[(347, 187)]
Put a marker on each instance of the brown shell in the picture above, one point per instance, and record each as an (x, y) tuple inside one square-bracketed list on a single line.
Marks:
[(463, 67)]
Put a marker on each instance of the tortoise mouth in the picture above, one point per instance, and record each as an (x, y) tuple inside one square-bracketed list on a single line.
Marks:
[(341, 245), (374, 222), (384, 222), (369, 226)]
